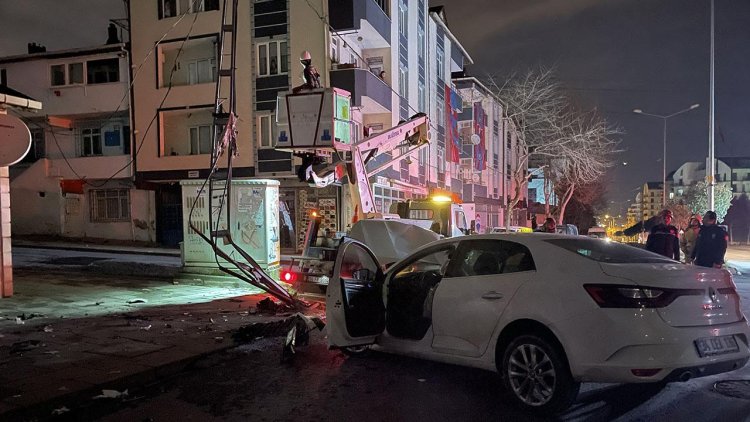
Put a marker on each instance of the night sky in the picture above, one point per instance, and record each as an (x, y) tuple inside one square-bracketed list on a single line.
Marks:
[(615, 55), (619, 55)]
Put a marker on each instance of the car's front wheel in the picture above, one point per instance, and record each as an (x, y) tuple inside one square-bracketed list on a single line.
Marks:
[(536, 375)]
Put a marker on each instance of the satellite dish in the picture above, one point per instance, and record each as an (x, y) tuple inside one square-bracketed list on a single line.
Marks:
[(475, 139), (15, 140)]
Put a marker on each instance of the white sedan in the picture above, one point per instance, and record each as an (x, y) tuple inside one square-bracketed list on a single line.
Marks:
[(546, 311)]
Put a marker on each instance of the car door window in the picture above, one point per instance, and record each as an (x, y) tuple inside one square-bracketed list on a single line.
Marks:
[(490, 257), (411, 291), (361, 285)]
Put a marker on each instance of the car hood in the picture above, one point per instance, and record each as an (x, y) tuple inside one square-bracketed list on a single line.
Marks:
[(391, 240)]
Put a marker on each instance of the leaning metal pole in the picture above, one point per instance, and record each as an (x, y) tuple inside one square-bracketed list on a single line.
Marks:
[(711, 160)]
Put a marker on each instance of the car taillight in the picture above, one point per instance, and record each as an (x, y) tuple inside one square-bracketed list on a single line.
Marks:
[(288, 276), (629, 296)]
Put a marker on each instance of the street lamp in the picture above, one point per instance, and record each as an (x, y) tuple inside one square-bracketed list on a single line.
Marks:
[(664, 159)]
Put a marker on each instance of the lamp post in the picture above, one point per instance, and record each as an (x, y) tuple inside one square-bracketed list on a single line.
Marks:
[(664, 159)]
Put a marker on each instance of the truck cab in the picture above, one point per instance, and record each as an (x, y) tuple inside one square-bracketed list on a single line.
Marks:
[(437, 213)]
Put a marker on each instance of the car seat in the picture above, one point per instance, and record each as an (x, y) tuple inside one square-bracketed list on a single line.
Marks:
[(486, 263)]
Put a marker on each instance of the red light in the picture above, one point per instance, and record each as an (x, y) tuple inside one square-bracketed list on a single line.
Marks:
[(288, 276), (645, 372)]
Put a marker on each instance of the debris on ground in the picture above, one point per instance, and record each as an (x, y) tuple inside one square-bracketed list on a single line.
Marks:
[(47, 329), (146, 328), (25, 346), (111, 394), (60, 411), (268, 306), (137, 300), (24, 317)]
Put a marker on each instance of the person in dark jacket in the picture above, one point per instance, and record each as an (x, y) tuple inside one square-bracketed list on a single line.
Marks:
[(711, 244), (664, 238)]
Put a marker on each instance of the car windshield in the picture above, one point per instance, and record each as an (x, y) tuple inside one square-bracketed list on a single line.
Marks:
[(609, 252)]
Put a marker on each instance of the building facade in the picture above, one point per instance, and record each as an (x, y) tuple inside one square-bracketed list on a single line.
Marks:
[(77, 180)]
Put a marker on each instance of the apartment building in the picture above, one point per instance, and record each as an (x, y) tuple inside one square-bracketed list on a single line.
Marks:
[(77, 179), (395, 57), (488, 153)]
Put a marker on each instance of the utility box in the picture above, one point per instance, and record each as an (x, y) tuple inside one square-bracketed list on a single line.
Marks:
[(254, 214)]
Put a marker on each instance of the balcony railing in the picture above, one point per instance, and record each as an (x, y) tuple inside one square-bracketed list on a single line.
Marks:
[(367, 89), (365, 17)]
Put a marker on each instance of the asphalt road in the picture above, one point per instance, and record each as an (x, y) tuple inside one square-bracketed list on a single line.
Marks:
[(250, 383)]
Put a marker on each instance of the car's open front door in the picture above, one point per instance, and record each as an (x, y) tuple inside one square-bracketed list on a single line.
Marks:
[(355, 312)]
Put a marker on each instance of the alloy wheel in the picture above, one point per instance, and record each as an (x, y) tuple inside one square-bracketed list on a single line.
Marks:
[(531, 374)]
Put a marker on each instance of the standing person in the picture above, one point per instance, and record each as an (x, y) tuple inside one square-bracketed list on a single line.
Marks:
[(711, 244), (687, 241), (664, 238), (549, 226)]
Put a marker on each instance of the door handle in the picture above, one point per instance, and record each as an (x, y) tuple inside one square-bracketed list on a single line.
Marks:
[(493, 295)]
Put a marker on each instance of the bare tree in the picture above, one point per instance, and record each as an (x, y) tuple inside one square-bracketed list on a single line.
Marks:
[(573, 148), (530, 99), (587, 147)]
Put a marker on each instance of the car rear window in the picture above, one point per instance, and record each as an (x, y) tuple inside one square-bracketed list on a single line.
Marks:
[(609, 252)]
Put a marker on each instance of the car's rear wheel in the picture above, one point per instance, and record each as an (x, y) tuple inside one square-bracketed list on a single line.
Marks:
[(536, 375)]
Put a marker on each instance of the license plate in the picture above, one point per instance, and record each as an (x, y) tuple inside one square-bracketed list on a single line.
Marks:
[(712, 346)]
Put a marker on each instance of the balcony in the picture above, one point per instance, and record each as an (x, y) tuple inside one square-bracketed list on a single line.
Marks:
[(368, 91), (364, 18)]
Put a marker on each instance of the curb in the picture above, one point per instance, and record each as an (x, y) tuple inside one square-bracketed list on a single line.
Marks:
[(82, 404), (94, 248)]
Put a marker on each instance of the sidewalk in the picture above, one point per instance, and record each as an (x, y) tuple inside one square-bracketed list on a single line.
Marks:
[(94, 246), (65, 337)]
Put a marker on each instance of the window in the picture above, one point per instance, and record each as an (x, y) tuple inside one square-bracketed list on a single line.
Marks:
[(57, 75), (75, 73), (420, 42), (200, 139), (37, 146), (201, 71), (272, 58), (266, 130), (96, 71), (108, 205), (187, 63), (432, 260), (91, 141), (610, 252), (490, 257), (403, 18), (102, 71), (403, 81), (172, 8), (439, 64), (421, 101)]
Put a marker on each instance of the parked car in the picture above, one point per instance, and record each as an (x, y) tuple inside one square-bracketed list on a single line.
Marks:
[(512, 229), (597, 232), (570, 229), (545, 311)]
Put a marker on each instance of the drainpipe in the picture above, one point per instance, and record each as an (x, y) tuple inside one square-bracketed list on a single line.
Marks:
[(131, 115)]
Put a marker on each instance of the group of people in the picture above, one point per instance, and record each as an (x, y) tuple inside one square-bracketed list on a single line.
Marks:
[(702, 243)]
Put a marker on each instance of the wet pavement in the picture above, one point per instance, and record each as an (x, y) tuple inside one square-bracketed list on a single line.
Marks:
[(65, 336)]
